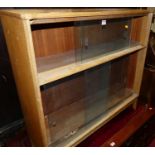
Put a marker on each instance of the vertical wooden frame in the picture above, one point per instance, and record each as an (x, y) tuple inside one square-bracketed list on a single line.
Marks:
[(142, 37), (20, 46)]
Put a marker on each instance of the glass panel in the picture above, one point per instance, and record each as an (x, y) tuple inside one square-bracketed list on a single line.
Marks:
[(97, 87), (103, 36), (73, 102), (106, 85)]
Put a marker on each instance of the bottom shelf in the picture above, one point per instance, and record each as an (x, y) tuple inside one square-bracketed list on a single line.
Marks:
[(90, 128), (119, 129), (108, 133)]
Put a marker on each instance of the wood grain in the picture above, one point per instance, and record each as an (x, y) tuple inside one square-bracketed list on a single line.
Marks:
[(143, 38), (44, 14), (53, 39), (61, 72), (22, 58)]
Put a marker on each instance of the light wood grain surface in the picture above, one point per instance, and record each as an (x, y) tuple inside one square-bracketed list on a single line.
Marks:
[(19, 43), (33, 14), (61, 72), (18, 25)]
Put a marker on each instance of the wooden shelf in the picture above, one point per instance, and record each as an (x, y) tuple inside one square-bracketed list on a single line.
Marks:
[(61, 72), (44, 63), (86, 131), (54, 15)]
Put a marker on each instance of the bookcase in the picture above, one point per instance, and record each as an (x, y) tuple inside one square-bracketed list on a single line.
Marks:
[(75, 69)]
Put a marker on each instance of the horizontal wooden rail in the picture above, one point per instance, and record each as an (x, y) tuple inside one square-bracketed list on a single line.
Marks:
[(62, 72)]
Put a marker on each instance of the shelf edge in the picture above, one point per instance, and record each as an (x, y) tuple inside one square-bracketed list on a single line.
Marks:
[(62, 72)]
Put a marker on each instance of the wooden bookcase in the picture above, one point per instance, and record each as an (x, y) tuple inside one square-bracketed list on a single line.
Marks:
[(75, 69)]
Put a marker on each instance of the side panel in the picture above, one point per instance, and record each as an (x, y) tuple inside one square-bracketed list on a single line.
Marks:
[(19, 42), (143, 38)]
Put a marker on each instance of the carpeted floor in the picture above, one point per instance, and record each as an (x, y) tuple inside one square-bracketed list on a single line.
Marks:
[(145, 136)]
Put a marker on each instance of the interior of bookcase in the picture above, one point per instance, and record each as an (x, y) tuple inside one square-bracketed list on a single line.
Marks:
[(60, 44), (72, 105), (73, 102)]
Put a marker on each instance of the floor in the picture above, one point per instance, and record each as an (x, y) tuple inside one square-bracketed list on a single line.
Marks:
[(123, 126), (145, 136)]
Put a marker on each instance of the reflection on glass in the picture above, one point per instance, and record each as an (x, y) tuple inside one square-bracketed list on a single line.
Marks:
[(73, 102), (102, 36)]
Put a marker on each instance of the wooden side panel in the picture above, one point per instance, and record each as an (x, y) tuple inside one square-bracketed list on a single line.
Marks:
[(143, 38), (139, 27), (140, 33), (19, 43), (136, 25)]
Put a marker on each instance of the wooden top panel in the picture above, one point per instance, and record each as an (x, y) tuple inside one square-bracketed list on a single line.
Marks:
[(33, 14)]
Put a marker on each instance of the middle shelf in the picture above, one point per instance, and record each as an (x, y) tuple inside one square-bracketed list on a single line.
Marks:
[(46, 74)]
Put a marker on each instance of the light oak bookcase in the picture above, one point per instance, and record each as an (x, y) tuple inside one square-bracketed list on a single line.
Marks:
[(75, 69)]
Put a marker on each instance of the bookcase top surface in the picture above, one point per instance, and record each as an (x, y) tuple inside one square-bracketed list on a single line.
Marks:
[(33, 14)]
